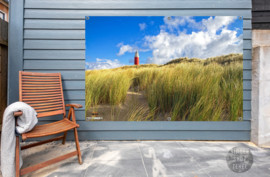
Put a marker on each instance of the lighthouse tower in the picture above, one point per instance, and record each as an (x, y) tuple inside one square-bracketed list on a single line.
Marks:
[(136, 58)]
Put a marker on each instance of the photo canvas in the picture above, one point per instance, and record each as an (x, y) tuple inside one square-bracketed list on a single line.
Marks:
[(163, 68)]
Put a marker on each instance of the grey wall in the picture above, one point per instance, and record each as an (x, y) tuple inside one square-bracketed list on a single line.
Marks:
[(52, 39)]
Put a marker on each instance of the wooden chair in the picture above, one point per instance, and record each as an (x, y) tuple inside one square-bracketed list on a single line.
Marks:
[(44, 92)]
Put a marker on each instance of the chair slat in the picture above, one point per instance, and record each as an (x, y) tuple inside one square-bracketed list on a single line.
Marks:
[(39, 77), (26, 73), (49, 109), (48, 100), (41, 83), (43, 91), (51, 106), (38, 88), (41, 80), (41, 96), (51, 90), (41, 99), (45, 101), (45, 104), (52, 113)]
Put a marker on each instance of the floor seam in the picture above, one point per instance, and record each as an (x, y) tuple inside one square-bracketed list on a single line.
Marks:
[(142, 160), (193, 159)]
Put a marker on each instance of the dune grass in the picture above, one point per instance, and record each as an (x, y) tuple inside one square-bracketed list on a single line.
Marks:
[(204, 90)]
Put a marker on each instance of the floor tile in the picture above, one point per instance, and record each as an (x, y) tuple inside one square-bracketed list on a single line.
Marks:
[(116, 151), (121, 168)]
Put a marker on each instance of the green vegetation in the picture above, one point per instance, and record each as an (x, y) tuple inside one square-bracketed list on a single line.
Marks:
[(183, 89)]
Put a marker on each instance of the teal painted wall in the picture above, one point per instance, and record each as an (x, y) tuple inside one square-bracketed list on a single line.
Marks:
[(49, 36)]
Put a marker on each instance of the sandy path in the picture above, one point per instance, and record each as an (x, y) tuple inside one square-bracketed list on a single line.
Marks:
[(134, 100)]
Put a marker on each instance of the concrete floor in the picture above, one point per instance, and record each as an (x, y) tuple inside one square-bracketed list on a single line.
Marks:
[(145, 158)]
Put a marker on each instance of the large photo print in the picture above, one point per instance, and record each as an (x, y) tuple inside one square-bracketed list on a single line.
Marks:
[(164, 68)]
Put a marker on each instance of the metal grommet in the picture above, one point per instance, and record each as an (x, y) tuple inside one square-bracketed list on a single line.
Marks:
[(87, 18), (240, 118), (169, 18), (240, 18)]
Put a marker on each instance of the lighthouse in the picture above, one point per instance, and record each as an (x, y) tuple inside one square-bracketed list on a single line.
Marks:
[(136, 58)]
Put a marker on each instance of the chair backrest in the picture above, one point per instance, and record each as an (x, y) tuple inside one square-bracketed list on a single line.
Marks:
[(42, 91)]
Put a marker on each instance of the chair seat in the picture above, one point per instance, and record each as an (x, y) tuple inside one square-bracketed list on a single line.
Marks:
[(50, 129)]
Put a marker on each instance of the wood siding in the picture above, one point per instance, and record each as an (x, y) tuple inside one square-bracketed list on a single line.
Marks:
[(260, 14), (3, 67), (54, 41)]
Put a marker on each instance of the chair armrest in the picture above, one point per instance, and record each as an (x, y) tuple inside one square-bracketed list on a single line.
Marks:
[(18, 113), (74, 105)]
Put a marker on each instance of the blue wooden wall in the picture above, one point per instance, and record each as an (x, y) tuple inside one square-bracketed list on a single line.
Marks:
[(49, 36)]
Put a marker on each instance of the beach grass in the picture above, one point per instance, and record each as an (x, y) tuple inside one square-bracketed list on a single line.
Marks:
[(185, 89)]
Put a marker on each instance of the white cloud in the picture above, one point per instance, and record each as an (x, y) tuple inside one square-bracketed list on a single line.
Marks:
[(174, 23), (103, 64), (214, 24), (125, 48), (142, 26), (203, 44), (128, 48)]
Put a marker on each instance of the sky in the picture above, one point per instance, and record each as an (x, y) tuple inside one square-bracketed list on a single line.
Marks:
[(111, 41)]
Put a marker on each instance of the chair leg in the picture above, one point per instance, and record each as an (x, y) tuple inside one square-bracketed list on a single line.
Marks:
[(17, 155), (77, 146), (64, 138)]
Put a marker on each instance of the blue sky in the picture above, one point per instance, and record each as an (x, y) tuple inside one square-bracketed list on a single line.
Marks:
[(112, 41)]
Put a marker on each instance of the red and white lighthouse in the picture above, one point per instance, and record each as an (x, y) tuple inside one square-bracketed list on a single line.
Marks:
[(136, 58)]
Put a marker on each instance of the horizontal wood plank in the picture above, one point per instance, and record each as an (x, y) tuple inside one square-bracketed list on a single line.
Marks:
[(78, 64), (54, 64), (247, 64), (247, 105), (261, 19), (80, 115), (55, 54), (247, 54), (75, 34), (35, 65), (261, 26), (157, 135), (78, 44), (65, 74), (74, 95), (59, 44), (74, 85), (138, 4), (80, 54), (161, 125), (247, 34), (163, 135), (60, 34), (76, 24), (247, 74), (247, 85), (246, 95), (247, 24), (80, 14), (247, 44), (247, 115), (260, 5)]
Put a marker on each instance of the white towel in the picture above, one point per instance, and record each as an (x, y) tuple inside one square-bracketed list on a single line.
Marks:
[(26, 122)]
